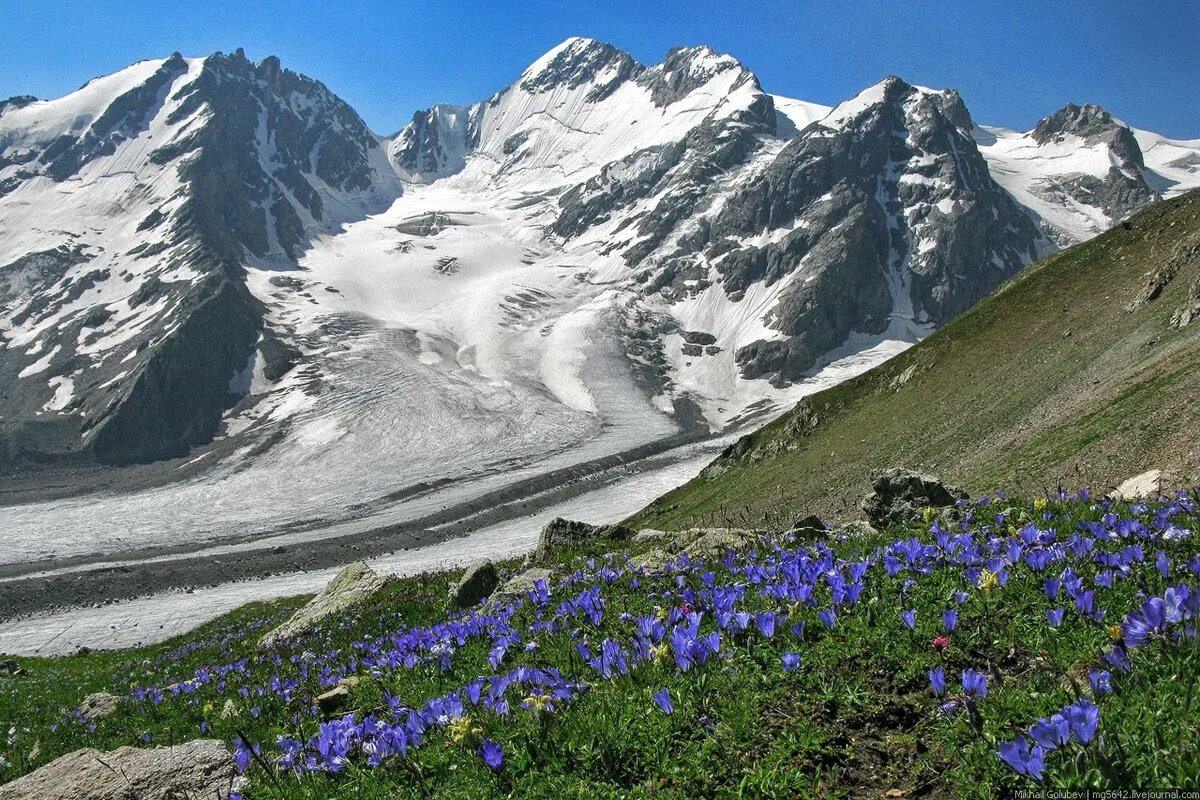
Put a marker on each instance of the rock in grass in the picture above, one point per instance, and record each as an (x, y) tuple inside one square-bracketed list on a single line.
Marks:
[(520, 585), (99, 705), (901, 496), (651, 561), (1140, 487), (857, 529), (714, 542), (355, 583), (479, 581), (201, 768), (650, 535), (809, 527), (560, 533)]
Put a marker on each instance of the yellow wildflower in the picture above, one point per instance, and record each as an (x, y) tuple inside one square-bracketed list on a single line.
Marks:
[(929, 513), (1114, 632), (660, 652), (538, 702), (208, 708), (461, 729), (988, 581), (1040, 504)]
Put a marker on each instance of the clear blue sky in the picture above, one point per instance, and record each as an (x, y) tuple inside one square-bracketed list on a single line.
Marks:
[(1013, 61)]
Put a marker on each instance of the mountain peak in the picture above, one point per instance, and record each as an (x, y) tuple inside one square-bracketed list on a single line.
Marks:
[(1084, 120), (893, 90), (578, 61)]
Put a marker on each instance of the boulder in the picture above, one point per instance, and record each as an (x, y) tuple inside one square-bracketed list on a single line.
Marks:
[(520, 585), (479, 581), (1140, 487), (809, 527), (651, 560), (99, 705), (857, 529), (201, 768), (900, 496), (9, 666), (650, 535), (713, 542), (333, 700), (355, 583), (560, 533)]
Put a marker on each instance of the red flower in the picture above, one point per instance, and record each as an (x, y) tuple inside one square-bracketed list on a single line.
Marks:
[(685, 608), (940, 642)]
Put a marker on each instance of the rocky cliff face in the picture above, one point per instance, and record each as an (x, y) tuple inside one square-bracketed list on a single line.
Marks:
[(152, 187), (885, 210)]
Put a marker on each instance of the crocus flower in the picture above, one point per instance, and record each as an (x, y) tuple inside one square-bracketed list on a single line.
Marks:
[(1052, 733), (950, 619), (663, 698), (909, 618), (1054, 616), (1101, 681), (492, 754), (828, 618), (791, 662), (937, 679), (1084, 717), (1022, 758), (974, 683)]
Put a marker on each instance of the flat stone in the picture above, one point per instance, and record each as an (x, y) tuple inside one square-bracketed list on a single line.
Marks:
[(651, 560), (857, 529), (1150, 483), (650, 535), (201, 768)]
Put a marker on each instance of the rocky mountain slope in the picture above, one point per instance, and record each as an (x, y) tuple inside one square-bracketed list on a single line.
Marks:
[(1080, 371), (215, 261)]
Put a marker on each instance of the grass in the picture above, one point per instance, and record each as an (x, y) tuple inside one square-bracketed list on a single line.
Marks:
[(858, 718), (1052, 380)]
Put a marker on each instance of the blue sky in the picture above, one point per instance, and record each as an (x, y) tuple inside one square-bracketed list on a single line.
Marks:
[(1013, 61)]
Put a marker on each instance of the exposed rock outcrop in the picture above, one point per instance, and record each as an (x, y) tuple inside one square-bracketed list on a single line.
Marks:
[(201, 768)]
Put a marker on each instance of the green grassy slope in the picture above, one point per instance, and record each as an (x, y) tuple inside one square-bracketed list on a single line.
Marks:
[(854, 716), (1053, 379)]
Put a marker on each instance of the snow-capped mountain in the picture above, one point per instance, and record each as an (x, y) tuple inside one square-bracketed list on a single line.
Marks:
[(217, 258)]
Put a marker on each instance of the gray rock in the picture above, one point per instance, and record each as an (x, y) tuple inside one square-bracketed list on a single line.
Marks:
[(520, 585), (704, 543), (560, 533), (857, 529), (333, 700), (354, 584), (651, 561), (479, 581), (650, 535), (99, 705), (201, 768), (809, 527), (900, 496)]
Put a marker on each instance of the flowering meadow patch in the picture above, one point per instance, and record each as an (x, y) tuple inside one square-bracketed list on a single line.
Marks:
[(1002, 643)]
